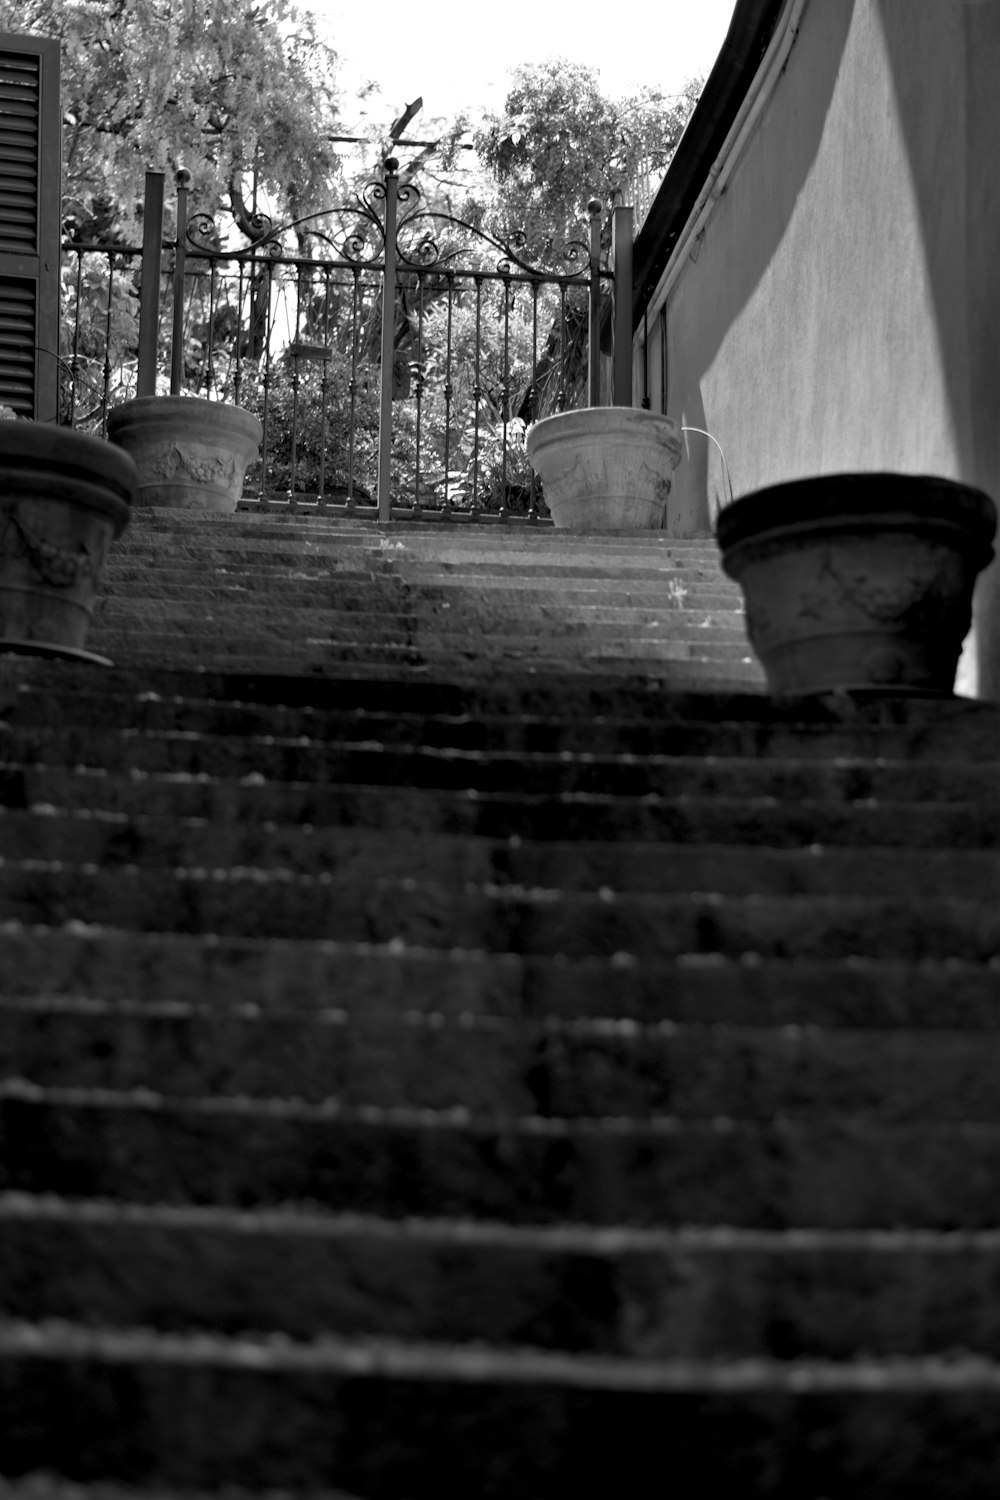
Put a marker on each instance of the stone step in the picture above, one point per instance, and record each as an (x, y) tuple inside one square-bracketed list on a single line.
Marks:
[(363, 587), (500, 919), (694, 1294), (364, 762), (107, 963), (376, 1416), (839, 1173), (330, 660), (200, 615), (245, 632), (552, 1069), (660, 819), (363, 857), (626, 721)]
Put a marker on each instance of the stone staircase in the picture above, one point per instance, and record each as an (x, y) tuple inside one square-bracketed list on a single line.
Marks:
[(473, 1060), (287, 592)]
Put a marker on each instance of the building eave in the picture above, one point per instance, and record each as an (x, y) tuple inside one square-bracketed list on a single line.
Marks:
[(746, 42)]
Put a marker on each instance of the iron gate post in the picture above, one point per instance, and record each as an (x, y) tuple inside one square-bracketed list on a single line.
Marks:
[(182, 179), (595, 208), (149, 291), (388, 326), (621, 261)]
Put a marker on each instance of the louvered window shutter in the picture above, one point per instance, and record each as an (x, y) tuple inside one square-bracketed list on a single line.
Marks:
[(30, 182)]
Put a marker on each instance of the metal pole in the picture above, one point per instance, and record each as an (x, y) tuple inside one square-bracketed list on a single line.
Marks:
[(388, 324), (149, 291), (182, 180), (595, 209), (621, 259)]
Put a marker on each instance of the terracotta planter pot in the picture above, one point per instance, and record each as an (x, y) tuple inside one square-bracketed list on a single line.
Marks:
[(63, 498), (606, 468), (190, 453), (858, 581)]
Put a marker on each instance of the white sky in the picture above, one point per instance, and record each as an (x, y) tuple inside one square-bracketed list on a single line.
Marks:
[(457, 54)]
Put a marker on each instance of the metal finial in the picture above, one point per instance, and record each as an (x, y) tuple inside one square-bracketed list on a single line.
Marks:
[(595, 207), (183, 177), (391, 166)]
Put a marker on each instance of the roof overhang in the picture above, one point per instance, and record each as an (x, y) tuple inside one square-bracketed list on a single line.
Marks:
[(705, 134)]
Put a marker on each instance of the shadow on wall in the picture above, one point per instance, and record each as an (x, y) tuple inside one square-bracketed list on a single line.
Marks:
[(770, 183), (954, 127)]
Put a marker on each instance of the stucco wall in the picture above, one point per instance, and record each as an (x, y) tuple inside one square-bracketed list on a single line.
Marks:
[(841, 309)]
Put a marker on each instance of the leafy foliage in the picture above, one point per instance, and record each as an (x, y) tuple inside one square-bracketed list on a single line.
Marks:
[(561, 141), (222, 87)]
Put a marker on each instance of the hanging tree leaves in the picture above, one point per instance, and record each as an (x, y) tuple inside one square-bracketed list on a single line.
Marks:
[(561, 141), (225, 88)]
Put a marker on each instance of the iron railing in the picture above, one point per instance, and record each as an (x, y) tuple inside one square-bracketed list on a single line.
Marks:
[(478, 340)]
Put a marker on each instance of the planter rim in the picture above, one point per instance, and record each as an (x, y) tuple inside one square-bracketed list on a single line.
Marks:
[(858, 501), (154, 410), (37, 448), (605, 421)]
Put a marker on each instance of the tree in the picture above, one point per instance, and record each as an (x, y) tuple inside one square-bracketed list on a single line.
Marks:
[(561, 141), (236, 91)]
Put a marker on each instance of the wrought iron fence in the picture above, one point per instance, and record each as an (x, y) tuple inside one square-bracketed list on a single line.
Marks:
[(477, 339)]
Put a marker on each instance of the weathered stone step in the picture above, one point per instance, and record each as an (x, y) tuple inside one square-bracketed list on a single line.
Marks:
[(205, 611), (365, 856), (326, 633), (359, 593), (226, 973), (661, 819), (787, 1173), (646, 1294), (366, 1414), (486, 1065), (968, 729), (363, 591), (500, 919), (517, 570), (364, 762), (700, 724), (328, 660)]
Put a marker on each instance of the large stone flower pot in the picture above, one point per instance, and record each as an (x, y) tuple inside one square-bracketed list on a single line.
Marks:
[(606, 468), (190, 453), (63, 498), (858, 581)]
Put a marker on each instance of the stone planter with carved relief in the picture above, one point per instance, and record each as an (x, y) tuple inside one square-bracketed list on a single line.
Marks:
[(190, 453), (860, 582), (606, 468), (63, 498)]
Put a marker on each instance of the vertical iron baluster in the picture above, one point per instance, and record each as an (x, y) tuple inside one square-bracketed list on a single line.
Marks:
[(106, 395), (532, 397), (448, 394), (353, 387), (391, 186), (477, 396), (561, 369), (266, 382), (505, 397), (296, 382), (324, 392), (238, 377), (75, 365), (419, 382), (213, 291)]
